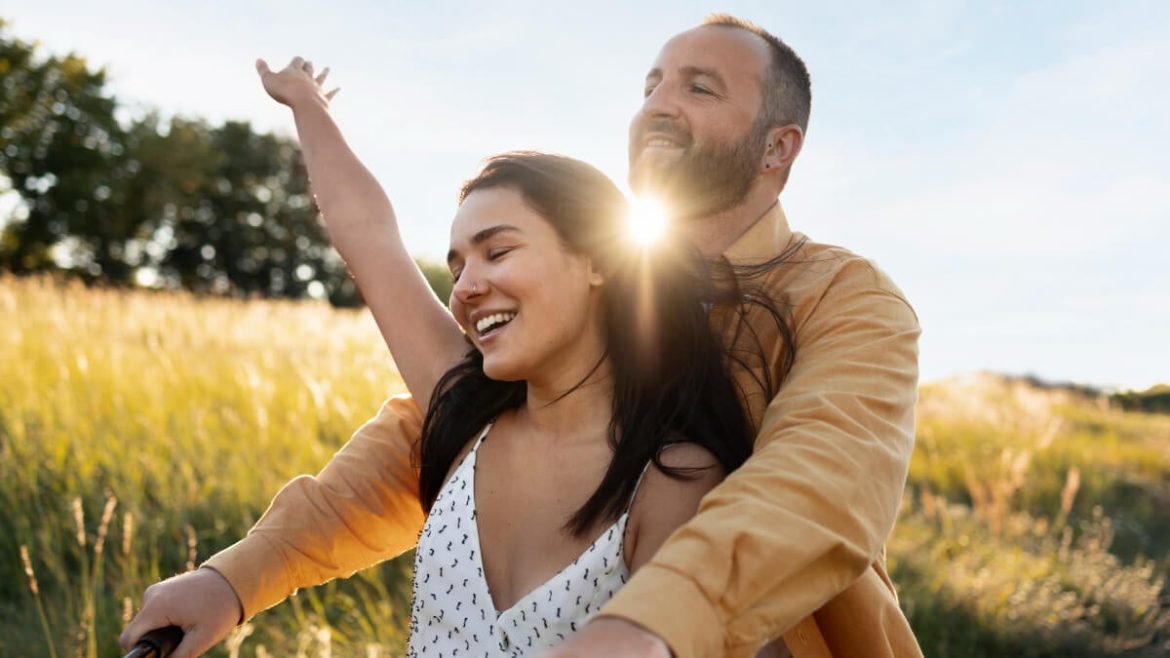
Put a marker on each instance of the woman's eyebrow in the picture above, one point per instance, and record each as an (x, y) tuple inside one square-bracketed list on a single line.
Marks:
[(483, 236)]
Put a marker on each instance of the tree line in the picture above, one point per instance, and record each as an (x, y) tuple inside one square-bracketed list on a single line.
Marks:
[(155, 201)]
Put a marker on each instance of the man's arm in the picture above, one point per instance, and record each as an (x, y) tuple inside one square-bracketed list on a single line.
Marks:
[(361, 509), (811, 509)]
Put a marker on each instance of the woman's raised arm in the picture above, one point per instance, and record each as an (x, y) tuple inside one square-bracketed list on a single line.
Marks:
[(423, 338)]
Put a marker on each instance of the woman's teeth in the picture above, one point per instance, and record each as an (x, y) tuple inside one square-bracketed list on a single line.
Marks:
[(490, 322)]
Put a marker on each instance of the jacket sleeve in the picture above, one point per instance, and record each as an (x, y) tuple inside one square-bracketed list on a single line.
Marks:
[(811, 509), (361, 509)]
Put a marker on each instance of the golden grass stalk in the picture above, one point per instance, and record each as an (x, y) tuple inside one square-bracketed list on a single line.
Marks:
[(236, 638), (127, 532), (36, 592), (79, 520), (104, 526), (1068, 494), (191, 547)]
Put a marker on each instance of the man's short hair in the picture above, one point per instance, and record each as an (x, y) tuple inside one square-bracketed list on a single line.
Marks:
[(787, 91)]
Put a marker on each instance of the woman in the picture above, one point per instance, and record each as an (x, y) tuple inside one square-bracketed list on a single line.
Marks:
[(578, 405), (536, 438)]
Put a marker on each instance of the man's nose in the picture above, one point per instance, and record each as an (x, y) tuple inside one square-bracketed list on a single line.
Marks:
[(662, 101)]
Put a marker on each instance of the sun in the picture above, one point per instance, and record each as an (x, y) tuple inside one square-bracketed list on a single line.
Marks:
[(647, 221)]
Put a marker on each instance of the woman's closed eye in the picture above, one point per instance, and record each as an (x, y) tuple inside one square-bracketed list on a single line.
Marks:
[(493, 254), (498, 253)]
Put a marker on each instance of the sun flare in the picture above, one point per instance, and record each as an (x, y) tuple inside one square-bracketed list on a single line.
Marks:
[(647, 220)]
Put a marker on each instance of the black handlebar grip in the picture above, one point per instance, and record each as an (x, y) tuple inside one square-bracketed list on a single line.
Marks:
[(158, 643)]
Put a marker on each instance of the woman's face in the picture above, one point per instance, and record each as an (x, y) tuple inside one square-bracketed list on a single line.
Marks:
[(530, 306)]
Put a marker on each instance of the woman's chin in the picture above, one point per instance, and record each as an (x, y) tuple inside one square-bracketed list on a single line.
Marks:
[(502, 372)]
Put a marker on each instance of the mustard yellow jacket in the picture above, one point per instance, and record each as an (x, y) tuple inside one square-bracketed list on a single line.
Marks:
[(791, 544)]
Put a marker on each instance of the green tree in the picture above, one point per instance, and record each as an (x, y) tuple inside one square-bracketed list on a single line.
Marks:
[(63, 151), (163, 202), (168, 202), (1155, 399), (438, 276), (240, 219)]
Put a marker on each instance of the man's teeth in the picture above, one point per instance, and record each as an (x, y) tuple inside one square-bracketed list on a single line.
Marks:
[(489, 322), (661, 142)]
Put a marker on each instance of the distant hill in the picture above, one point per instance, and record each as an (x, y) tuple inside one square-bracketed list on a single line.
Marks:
[(1155, 399)]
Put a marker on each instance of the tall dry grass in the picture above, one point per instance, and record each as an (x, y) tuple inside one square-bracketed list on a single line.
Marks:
[(1035, 524), (140, 432)]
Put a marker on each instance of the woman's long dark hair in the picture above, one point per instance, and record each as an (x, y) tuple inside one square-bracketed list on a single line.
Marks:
[(669, 370)]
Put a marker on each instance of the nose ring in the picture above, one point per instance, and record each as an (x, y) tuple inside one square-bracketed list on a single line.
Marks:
[(474, 288)]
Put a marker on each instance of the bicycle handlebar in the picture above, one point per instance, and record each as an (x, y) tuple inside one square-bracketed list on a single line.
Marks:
[(158, 643)]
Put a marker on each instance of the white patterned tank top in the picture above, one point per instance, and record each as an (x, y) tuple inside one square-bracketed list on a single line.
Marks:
[(452, 613)]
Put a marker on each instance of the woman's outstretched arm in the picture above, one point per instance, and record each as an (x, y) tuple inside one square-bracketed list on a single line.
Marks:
[(422, 336)]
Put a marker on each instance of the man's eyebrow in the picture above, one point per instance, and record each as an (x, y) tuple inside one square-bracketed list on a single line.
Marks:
[(483, 236)]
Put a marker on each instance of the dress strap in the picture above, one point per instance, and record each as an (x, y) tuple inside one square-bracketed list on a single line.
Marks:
[(637, 485), (624, 521), (482, 435)]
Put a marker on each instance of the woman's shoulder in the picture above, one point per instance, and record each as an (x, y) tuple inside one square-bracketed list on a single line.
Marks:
[(687, 454), (668, 498), (687, 472)]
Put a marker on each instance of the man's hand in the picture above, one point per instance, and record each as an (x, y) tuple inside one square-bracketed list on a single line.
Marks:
[(295, 84), (611, 637), (201, 602)]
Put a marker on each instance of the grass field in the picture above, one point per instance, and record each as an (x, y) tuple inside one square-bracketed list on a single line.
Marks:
[(141, 432)]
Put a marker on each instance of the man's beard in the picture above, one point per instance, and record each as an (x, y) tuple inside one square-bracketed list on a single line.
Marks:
[(704, 180)]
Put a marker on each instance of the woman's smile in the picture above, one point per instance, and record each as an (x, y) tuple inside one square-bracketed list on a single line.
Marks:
[(488, 325)]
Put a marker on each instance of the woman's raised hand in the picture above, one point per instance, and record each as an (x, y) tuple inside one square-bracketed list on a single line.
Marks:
[(295, 83)]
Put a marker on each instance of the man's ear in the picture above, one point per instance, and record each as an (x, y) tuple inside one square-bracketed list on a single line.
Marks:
[(782, 146)]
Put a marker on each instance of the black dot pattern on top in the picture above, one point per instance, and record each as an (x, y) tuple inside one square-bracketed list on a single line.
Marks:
[(452, 614)]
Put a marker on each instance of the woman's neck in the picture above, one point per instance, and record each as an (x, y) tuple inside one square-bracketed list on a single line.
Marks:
[(568, 413)]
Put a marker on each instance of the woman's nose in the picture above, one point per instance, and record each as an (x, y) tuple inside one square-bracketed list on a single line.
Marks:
[(468, 287)]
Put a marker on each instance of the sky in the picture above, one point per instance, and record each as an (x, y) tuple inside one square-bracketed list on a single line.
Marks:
[(1007, 163)]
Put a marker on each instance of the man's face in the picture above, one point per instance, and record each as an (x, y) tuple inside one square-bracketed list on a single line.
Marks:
[(696, 142)]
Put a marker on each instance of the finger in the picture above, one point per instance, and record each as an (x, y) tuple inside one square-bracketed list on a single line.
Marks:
[(296, 63), (308, 68), (324, 74), (195, 643), (262, 67), (142, 622), (331, 94)]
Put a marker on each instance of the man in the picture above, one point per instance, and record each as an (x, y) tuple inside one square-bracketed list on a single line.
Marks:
[(791, 544)]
